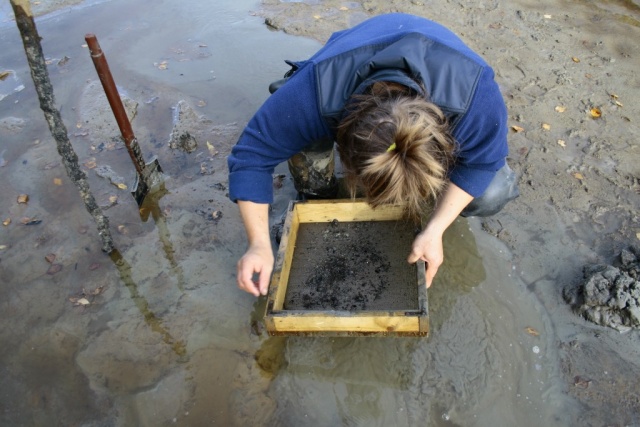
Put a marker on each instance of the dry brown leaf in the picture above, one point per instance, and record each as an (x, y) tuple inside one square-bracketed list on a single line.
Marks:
[(50, 258), (531, 331), (91, 163), (317, 16), (4, 74), (614, 96), (546, 126), (122, 186), (561, 109), (618, 103), (581, 382), (83, 301), (23, 198), (343, 8), (517, 128), (113, 199), (6, 222), (578, 175), (595, 112), (576, 60), (54, 268), (547, 16), (562, 143), (57, 181)]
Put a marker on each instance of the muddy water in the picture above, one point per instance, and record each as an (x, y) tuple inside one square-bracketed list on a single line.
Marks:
[(167, 338)]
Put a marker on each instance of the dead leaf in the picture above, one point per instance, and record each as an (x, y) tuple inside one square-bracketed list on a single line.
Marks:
[(97, 291), (547, 16), (30, 221), (576, 60), (595, 112), (638, 236), (54, 268), (562, 143), (122, 229), (122, 186), (50, 258), (561, 109), (3, 247), (581, 382), (531, 331), (4, 75), (517, 128), (618, 103), (343, 8), (57, 181), (211, 149), (317, 16), (162, 65), (546, 126), (83, 301), (578, 175), (113, 199), (23, 198), (6, 222), (78, 125), (202, 103)]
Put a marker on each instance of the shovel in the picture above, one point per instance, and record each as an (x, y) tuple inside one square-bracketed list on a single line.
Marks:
[(148, 175)]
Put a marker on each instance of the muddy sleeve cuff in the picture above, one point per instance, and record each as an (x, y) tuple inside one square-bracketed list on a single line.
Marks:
[(252, 186), (474, 181)]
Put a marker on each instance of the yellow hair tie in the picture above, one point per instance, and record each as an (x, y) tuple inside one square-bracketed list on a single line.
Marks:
[(391, 147)]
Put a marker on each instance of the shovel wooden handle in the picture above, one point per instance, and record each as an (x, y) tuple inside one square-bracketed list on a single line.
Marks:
[(102, 67)]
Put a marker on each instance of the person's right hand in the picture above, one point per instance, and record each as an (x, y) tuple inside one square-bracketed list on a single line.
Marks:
[(257, 260)]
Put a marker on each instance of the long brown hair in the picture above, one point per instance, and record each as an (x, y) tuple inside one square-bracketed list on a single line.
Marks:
[(396, 147)]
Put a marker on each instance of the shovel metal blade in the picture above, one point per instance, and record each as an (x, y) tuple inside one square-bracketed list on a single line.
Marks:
[(147, 182)]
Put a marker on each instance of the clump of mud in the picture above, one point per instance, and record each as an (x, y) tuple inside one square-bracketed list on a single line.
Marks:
[(181, 138), (610, 295)]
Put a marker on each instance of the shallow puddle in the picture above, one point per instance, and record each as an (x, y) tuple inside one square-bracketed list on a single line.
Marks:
[(158, 333)]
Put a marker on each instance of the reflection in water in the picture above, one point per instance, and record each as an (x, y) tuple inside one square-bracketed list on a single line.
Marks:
[(151, 206), (154, 322)]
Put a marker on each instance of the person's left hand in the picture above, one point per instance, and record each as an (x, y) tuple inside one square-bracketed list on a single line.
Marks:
[(427, 246)]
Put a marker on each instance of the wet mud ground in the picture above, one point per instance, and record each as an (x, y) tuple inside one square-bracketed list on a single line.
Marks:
[(158, 334)]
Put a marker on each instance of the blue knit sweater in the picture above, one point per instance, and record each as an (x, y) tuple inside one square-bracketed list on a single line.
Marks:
[(456, 79)]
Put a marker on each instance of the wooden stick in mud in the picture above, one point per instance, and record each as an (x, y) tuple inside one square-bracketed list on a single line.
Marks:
[(40, 75)]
